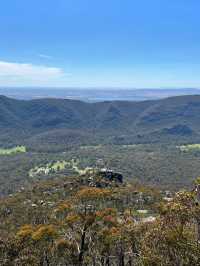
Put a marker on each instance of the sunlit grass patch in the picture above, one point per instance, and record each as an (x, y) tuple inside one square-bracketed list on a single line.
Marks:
[(14, 150), (190, 147)]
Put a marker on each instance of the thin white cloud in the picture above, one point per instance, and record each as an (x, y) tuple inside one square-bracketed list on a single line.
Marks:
[(23, 74), (28, 70), (45, 56)]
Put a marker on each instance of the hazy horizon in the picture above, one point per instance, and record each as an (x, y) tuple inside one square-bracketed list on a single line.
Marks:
[(95, 95)]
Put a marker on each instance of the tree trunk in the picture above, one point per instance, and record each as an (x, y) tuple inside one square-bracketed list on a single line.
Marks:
[(129, 262), (107, 261), (121, 256), (80, 258), (121, 260), (45, 260), (93, 261)]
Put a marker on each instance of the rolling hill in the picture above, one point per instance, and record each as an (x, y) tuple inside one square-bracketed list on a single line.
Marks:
[(175, 118)]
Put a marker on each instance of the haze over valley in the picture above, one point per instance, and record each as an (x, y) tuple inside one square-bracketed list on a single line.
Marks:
[(95, 94)]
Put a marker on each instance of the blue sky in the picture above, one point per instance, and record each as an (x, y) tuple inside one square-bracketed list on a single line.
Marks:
[(100, 43)]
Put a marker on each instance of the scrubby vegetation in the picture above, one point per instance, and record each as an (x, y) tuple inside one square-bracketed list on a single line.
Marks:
[(70, 222)]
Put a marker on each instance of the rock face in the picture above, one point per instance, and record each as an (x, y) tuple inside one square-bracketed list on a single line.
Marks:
[(101, 178), (111, 175)]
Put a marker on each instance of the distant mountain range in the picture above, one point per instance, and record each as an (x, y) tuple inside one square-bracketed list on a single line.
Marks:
[(72, 122), (96, 94)]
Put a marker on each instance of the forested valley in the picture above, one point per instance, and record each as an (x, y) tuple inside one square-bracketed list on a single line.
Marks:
[(101, 184)]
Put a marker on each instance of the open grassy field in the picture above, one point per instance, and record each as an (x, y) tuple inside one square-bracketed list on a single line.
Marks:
[(190, 147), (14, 150), (49, 168), (58, 166)]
